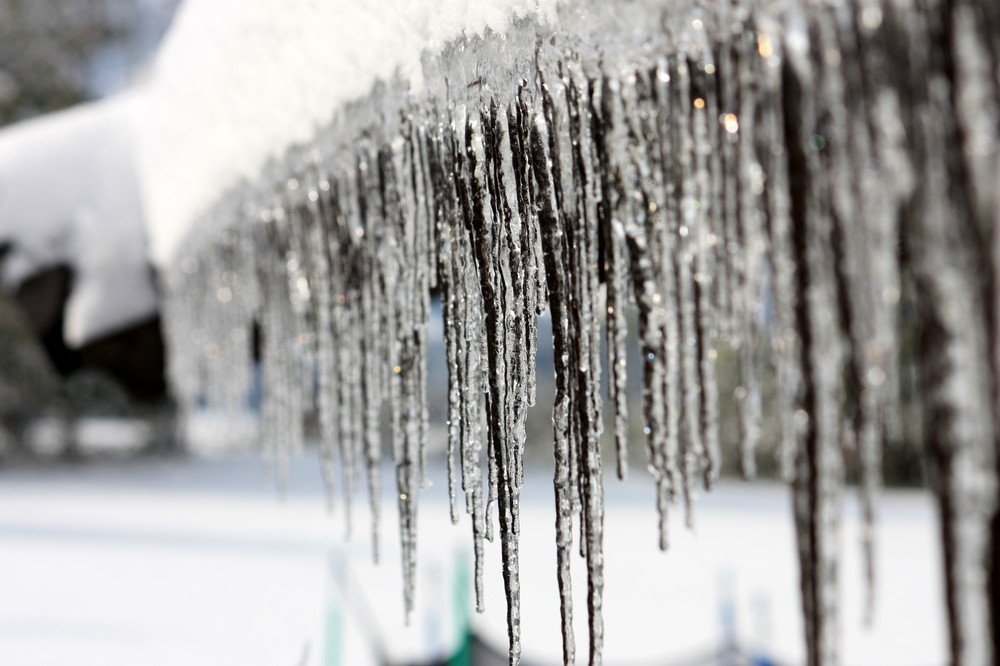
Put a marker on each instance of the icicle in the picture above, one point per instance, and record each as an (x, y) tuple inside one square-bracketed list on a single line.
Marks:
[(948, 253), (452, 298), (584, 267), (518, 178), (615, 269), (766, 180), (705, 140), (319, 246), (469, 334), (553, 252), (818, 464), (484, 233), (748, 211), (691, 110)]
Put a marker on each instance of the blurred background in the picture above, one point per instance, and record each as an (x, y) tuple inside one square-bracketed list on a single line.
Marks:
[(82, 353), (60, 53), (129, 537)]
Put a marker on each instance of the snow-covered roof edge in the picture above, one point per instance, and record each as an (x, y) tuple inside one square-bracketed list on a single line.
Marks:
[(238, 82)]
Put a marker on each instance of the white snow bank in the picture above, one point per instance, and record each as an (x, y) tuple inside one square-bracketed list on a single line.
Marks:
[(69, 194), (239, 81)]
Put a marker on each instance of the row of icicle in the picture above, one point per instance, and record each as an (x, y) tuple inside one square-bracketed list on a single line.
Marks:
[(775, 179)]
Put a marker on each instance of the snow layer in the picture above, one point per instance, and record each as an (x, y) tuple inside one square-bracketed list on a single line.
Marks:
[(191, 562), (69, 195), (237, 82)]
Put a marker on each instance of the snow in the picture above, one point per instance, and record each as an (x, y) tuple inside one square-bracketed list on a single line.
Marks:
[(192, 561), (237, 82), (69, 194), (667, 608)]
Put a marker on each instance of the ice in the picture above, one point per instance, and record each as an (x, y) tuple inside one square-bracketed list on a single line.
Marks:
[(556, 274), (770, 186), (614, 269)]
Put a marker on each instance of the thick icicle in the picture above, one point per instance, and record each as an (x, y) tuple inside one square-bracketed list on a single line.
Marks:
[(555, 272), (614, 269)]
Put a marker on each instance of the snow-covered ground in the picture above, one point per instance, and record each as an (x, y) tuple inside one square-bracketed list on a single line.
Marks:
[(195, 561)]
